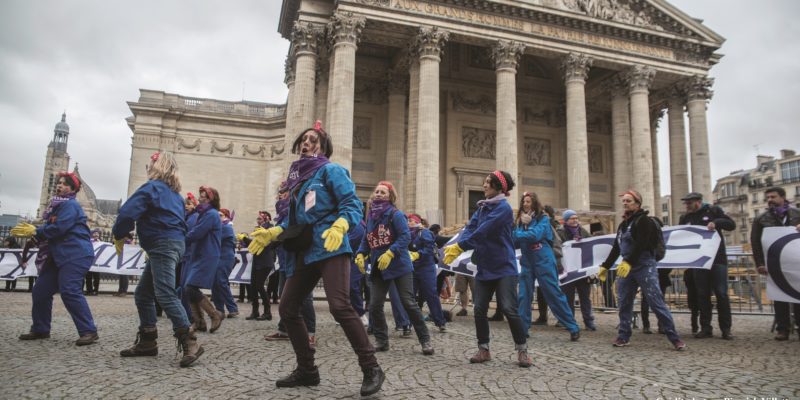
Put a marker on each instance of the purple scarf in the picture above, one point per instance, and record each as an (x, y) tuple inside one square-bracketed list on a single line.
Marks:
[(378, 207), (281, 209), (54, 202), (575, 232), (43, 254), (780, 211), (304, 168), (202, 208)]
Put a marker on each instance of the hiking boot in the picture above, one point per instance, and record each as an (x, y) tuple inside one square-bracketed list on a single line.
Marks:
[(87, 339), (299, 378), (620, 342), (198, 321), (34, 336), (267, 316), (145, 344), (187, 343), (276, 336), (373, 380), (462, 313), (481, 356), (703, 335), (427, 349), (523, 360), (216, 318), (574, 336), (679, 345), (781, 336)]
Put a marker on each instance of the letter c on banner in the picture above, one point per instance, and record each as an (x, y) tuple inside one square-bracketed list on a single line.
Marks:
[(774, 265)]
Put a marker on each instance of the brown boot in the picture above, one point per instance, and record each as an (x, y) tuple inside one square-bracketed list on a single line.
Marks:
[(216, 318), (198, 321), (187, 342), (145, 344), (481, 356)]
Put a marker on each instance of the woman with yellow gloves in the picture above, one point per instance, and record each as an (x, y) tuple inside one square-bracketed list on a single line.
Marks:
[(386, 245), (67, 254), (323, 206), (636, 242), (489, 235)]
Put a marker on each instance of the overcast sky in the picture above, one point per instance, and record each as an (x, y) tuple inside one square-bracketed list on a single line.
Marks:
[(89, 57)]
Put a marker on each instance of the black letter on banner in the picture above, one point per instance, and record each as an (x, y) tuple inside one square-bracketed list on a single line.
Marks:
[(774, 264), (242, 268), (587, 255)]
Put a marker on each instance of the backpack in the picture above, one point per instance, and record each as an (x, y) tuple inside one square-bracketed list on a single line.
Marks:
[(660, 248)]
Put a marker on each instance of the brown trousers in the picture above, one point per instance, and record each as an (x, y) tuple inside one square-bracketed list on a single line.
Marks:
[(335, 274)]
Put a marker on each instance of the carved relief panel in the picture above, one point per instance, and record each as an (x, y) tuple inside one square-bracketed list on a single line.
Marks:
[(537, 152), (478, 143), (596, 161), (362, 133)]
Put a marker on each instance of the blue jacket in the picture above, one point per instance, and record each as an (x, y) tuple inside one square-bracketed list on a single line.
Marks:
[(389, 232), (355, 236), (205, 239), (321, 200), (67, 234), (156, 210), (191, 221), (227, 252), (534, 241), (423, 242), (488, 233)]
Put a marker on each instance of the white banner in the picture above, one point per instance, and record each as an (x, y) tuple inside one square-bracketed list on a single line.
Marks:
[(130, 262), (782, 262), (688, 246)]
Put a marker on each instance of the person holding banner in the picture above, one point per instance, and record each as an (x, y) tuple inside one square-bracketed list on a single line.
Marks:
[(779, 213), (67, 253), (572, 230), (716, 279), (534, 236), (263, 264), (489, 235), (636, 241), (205, 239), (221, 291), (322, 207), (386, 244), (422, 243), (156, 209)]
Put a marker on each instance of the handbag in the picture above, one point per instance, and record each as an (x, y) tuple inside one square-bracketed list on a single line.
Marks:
[(296, 237)]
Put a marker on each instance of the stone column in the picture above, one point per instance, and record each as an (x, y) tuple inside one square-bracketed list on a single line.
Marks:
[(655, 118), (305, 38), (575, 68), (698, 90), (678, 175), (344, 31), (430, 42), (506, 57), (410, 188), (395, 130), (639, 80), (621, 141), (321, 103), (288, 136)]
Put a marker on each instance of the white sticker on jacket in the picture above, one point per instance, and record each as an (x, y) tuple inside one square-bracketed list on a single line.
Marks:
[(311, 199)]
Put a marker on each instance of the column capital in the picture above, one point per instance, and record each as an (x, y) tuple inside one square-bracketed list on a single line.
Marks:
[(676, 96), (698, 87), (305, 38), (345, 28), (397, 80), (616, 85), (655, 118), (506, 54), (639, 78), (430, 41), (288, 66), (575, 66)]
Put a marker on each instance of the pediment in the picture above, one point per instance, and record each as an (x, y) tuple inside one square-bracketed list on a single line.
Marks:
[(654, 15)]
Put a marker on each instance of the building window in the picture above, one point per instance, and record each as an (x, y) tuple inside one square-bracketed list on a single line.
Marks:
[(790, 171), (728, 189), (755, 198), (665, 208)]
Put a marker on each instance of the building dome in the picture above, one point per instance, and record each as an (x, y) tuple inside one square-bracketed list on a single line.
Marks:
[(62, 125)]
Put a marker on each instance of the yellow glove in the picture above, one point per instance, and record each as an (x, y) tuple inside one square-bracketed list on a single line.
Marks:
[(118, 245), (451, 252), (385, 259), (241, 236), (24, 230), (262, 238), (360, 263), (602, 274), (623, 269), (414, 255), (334, 236)]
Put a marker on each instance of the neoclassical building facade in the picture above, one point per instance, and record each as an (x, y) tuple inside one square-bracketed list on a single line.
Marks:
[(434, 95)]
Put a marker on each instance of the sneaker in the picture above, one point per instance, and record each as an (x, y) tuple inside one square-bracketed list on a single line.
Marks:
[(276, 336), (427, 349), (574, 336), (703, 335), (299, 378), (34, 336), (620, 342), (781, 336), (87, 339), (406, 331), (462, 313), (365, 320), (481, 356), (679, 345), (523, 360)]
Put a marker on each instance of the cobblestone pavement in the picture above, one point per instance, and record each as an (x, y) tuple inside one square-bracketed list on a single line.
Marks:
[(238, 363)]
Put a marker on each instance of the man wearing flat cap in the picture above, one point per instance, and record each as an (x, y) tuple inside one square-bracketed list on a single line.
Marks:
[(716, 278)]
